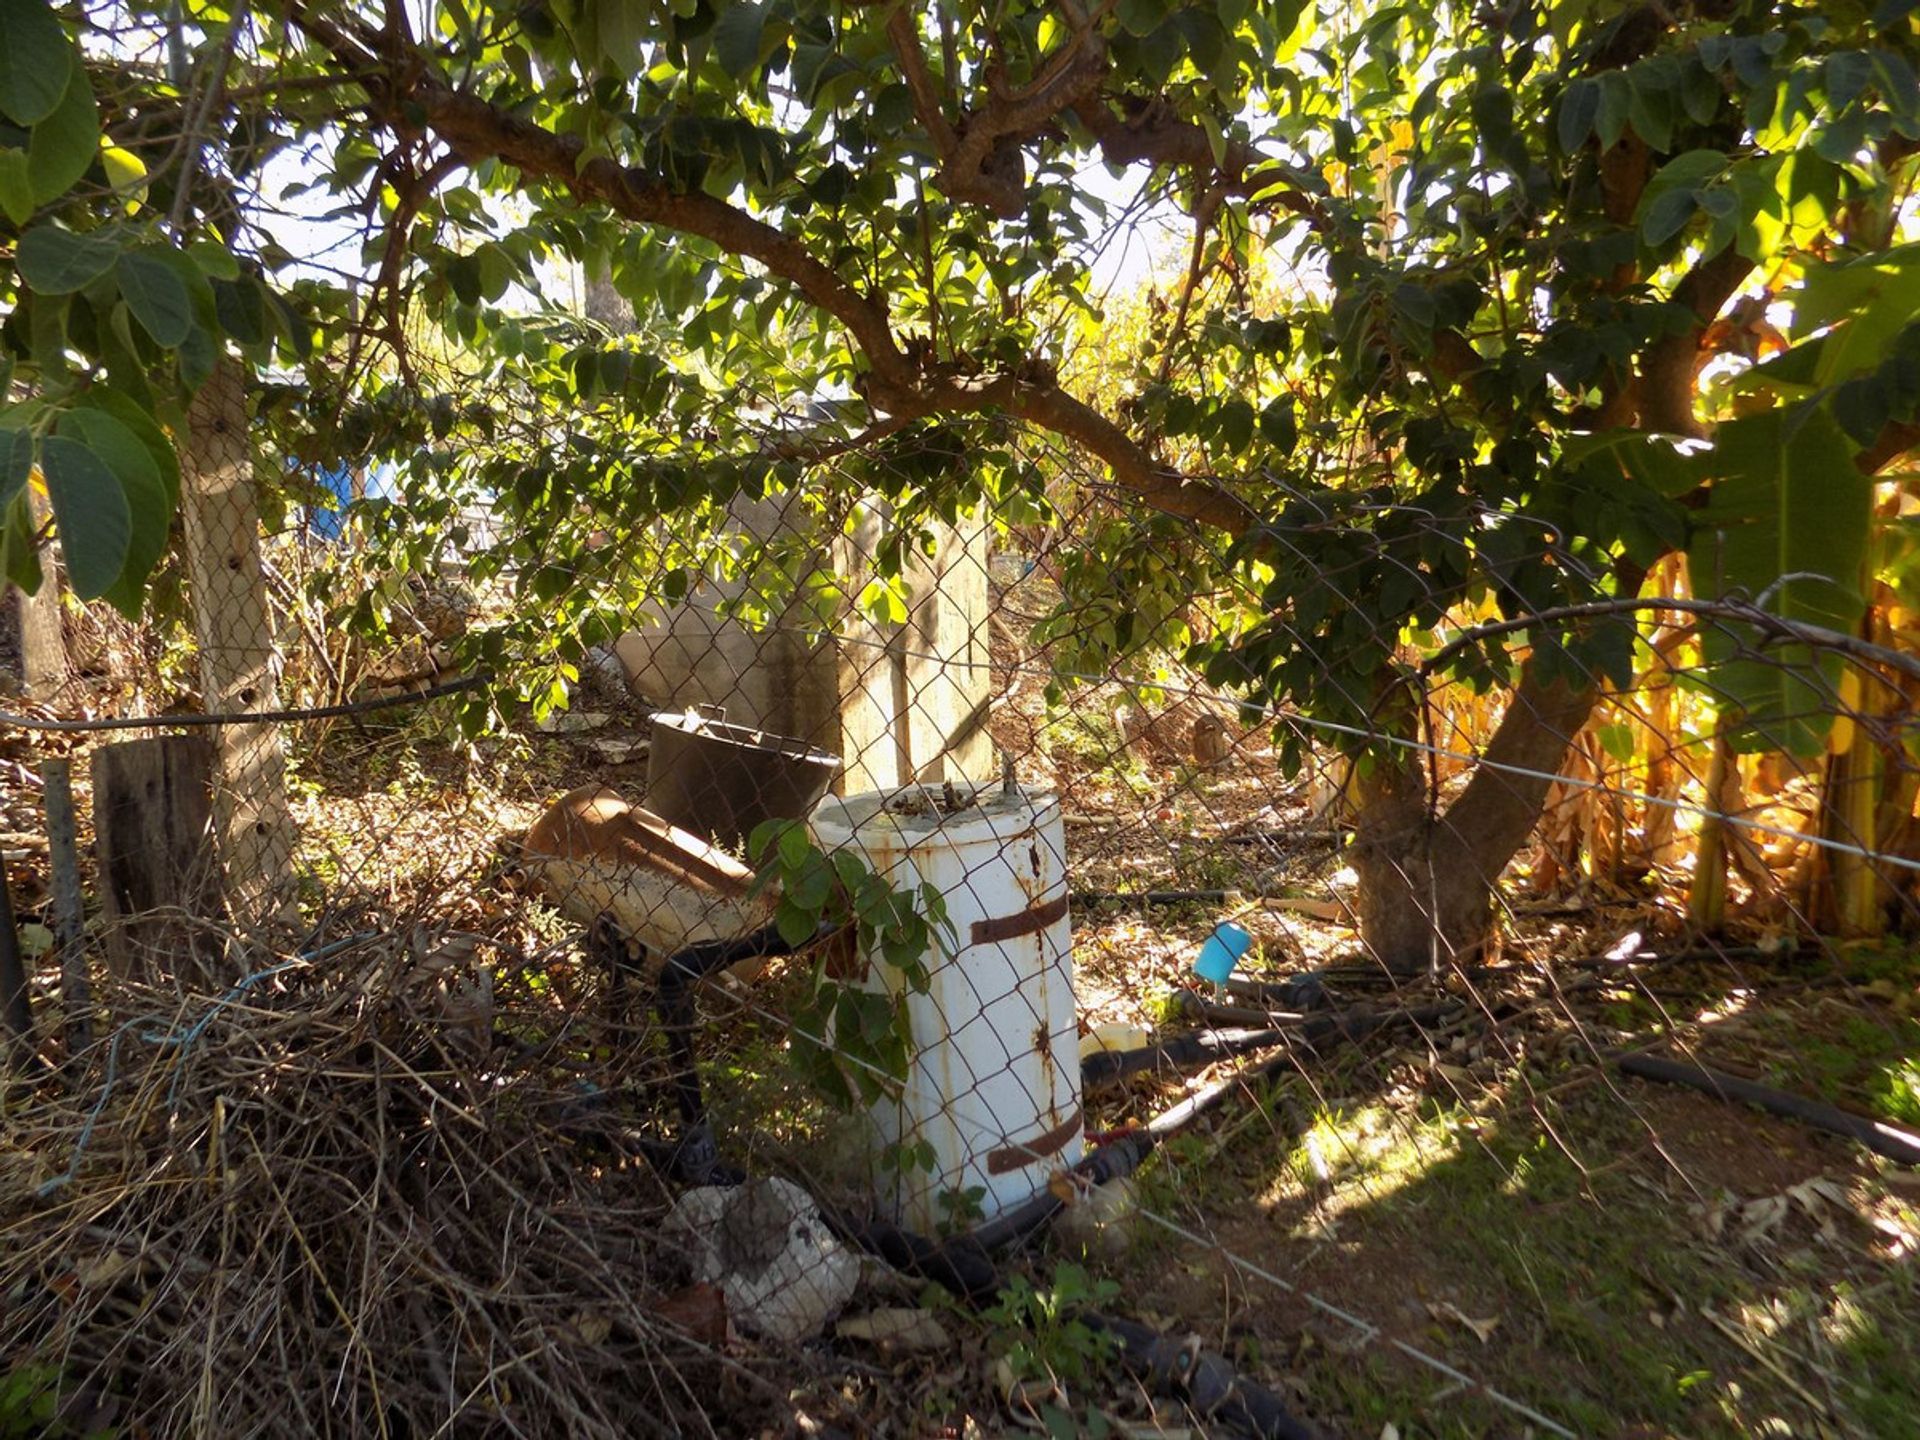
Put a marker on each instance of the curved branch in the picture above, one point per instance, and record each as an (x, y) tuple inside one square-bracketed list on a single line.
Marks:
[(408, 98), (905, 37), (1773, 627)]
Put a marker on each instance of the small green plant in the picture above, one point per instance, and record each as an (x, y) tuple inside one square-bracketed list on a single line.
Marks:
[(1040, 1333), (1898, 1092), (851, 1041), (30, 1406), (961, 1210)]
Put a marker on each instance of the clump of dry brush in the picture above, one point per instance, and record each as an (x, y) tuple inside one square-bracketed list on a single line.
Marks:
[(334, 1200)]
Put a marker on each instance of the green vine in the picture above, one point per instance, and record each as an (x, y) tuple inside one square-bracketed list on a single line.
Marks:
[(852, 1040)]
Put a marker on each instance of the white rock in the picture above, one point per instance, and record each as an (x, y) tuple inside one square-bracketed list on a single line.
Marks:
[(764, 1244), (1101, 1220)]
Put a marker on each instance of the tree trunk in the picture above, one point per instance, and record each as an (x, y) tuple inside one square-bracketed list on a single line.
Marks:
[(1427, 884), (45, 664), (604, 303), (239, 661), (1707, 895)]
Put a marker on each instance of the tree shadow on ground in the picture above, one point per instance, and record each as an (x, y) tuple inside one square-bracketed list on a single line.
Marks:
[(1622, 1257)]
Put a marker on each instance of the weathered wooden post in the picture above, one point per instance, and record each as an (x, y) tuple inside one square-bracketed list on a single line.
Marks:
[(153, 830), (239, 661), (16, 1007), (44, 661), (69, 910)]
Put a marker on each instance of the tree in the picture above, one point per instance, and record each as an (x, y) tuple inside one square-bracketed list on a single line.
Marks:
[(1534, 225)]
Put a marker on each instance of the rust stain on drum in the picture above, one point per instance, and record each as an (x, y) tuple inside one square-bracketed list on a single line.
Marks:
[(1015, 1157), (1012, 927)]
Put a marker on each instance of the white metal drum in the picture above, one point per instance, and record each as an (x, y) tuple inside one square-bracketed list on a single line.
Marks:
[(994, 1087)]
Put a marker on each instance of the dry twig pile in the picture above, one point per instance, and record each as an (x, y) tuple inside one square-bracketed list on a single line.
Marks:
[(329, 1202)]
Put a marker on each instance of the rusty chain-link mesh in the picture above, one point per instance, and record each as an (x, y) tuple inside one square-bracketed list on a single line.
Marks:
[(515, 1092)]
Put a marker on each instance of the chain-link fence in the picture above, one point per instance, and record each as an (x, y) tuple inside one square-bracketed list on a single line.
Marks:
[(919, 982)]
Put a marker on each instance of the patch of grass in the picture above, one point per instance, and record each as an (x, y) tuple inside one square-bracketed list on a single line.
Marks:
[(1871, 1058), (1611, 1305), (1177, 1177), (1090, 735), (1897, 1094), (1891, 959)]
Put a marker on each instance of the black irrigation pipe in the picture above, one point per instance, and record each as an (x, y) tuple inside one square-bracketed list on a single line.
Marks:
[(1205, 1046), (1193, 1049), (1208, 1381), (248, 717), (1305, 991), (1878, 1136), (1225, 1012)]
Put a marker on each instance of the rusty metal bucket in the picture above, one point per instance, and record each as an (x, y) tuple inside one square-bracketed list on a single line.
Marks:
[(720, 780)]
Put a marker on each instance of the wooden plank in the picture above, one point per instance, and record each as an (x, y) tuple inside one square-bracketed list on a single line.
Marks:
[(153, 831), (16, 1008), (239, 659), (69, 909)]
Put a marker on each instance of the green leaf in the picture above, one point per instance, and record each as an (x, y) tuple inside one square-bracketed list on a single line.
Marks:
[(19, 559), (148, 504), (216, 260), (242, 309), (796, 926), (157, 297), (64, 144), (1654, 87), (1615, 96), (1694, 167), (56, 261), (1847, 73), (1666, 216), (1787, 501), (16, 462), (793, 845), (1579, 109), (147, 431), (16, 190), (90, 506), (812, 888), (47, 332), (736, 38), (36, 60), (1140, 17), (1278, 427), (1236, 425)]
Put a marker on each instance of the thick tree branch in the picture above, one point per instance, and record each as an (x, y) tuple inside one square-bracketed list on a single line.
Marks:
[(1166, 490), (905, 37), (986, 165), (1670, 372), (1153, 133), (407, 97)]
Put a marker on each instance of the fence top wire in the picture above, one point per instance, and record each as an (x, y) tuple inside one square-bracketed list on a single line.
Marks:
[(1289, 715), (248, 717), (1268, 712)]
